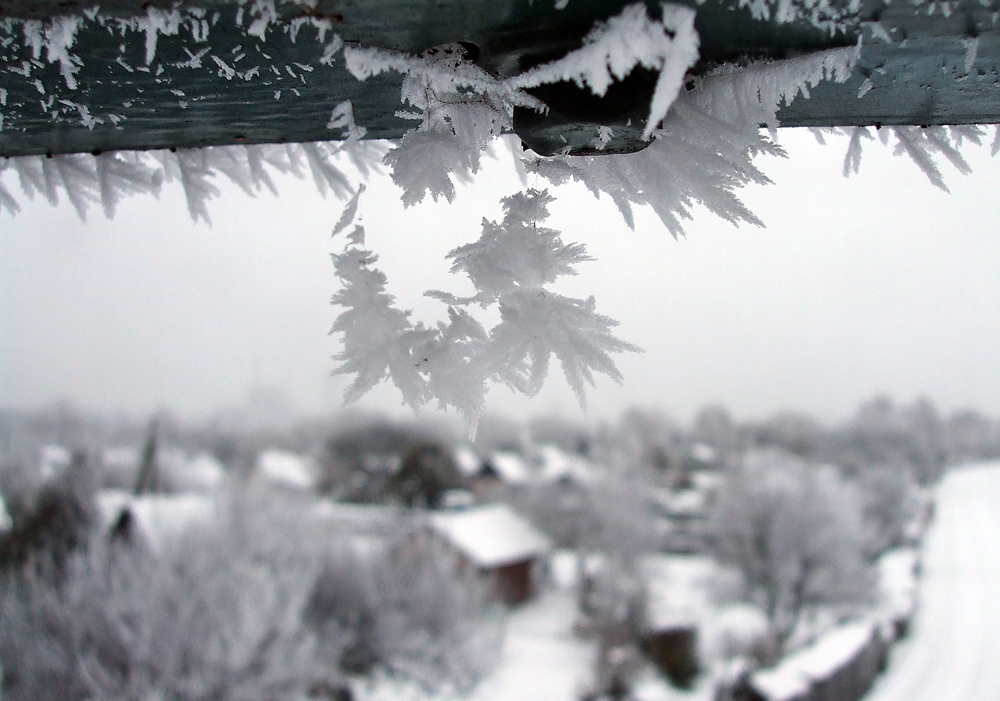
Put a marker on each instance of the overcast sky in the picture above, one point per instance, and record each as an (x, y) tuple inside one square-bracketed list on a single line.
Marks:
[(875, 284)]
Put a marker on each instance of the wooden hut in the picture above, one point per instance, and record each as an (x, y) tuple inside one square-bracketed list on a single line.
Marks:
[(839, 666), (499, 543)]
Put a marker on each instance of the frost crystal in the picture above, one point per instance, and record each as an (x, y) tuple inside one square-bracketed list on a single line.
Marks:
[(106, 179), (462, 109), (614, 48), (921, 144), (706, 147), (509, 266), (753, 94)]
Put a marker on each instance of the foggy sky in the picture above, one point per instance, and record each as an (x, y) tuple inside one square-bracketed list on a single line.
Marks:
[(874, 284)]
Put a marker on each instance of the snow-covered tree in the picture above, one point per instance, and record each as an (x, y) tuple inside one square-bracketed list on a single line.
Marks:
[(794, 531)]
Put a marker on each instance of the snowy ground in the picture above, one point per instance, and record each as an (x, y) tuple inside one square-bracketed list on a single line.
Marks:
[(953, 651), (542, 660)]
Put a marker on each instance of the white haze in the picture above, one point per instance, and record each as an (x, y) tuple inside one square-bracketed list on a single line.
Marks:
[(877, 283)]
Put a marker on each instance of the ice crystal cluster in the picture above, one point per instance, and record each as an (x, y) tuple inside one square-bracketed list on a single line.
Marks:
[(704, 135), (86, 180), (510, 266)]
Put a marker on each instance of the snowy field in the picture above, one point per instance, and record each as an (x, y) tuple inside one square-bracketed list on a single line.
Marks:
[(953, 651)]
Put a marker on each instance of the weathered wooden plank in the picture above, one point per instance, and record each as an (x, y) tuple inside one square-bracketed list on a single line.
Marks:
[(273, 87)]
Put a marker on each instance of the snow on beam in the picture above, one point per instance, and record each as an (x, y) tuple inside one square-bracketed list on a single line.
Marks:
[(76, 78)]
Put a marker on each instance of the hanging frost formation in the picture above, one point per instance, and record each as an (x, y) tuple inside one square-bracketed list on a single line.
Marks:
[(509, 266), (703, 140)]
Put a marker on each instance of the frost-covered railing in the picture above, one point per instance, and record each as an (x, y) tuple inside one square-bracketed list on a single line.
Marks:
[(117, 75)]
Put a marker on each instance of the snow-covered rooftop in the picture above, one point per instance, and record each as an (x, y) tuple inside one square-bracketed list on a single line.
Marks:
[(897, 575), (791, 679), (679, 589), (781, 683), (491, 536), (832, 650), (204, 471), (467, 461), (161, 518), (510, 467), (287, 469), (556, 464)]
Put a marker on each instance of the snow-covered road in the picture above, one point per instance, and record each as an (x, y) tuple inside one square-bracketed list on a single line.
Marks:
[(953, 651)]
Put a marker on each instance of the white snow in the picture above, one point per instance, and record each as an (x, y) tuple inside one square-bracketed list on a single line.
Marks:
[(953, 647), (490, 536), (556, 464), (511, 467), (203, 472), (679, 590), (53, 459), (110, 504), (161, 519), (898, 582), (467, 461), (564, 567), (792, 678), (832, 650), (363, 519), (287, 469), (541, 660), (5, 520), (704, 453), (684, 503)]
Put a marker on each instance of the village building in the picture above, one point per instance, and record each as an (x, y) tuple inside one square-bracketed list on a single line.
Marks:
[(678, 601), (838, 666), (500, 544), (286, 469), (158, 521)]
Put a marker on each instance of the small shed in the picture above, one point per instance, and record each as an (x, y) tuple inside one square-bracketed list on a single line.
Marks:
[(158, 520), (678, 600), (499, 543), (839, 666), (502, 468)]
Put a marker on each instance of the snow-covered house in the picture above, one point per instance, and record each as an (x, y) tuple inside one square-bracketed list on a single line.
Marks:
[(286, 469), (556, 465), (838, 666), (157, 520), (499, 543), (467, 461), (501, 469)]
